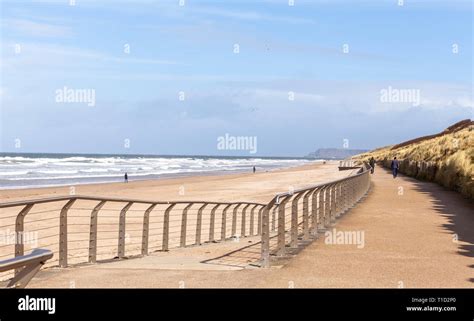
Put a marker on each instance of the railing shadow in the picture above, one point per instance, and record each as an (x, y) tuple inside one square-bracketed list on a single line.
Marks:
[(242, 257), (458, 210)]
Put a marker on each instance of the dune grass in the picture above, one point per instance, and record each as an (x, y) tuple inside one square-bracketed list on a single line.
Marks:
[(447, 160)]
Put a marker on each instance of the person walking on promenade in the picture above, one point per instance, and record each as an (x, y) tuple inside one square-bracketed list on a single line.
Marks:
[(395, 166), (372, 164), (126, 178)]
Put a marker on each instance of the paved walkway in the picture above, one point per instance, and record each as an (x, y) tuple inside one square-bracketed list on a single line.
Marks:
[(415, 234)]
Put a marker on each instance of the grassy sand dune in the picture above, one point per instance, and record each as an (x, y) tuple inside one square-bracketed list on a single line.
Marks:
[(446, 158)]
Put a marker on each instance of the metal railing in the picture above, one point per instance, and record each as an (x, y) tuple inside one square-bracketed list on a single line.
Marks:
[(84, 225), (78, 228), (26, 265), (284, 225)]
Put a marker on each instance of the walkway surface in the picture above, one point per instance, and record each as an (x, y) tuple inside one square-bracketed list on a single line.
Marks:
[(415, 234)]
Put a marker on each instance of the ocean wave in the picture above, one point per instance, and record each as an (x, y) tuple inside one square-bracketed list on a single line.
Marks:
[(14, 173), (96, 176), (41, 171)]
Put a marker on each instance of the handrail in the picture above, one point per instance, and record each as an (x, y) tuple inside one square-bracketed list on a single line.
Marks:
[(329, 200), (320, 185), (31, 264), (216, 208), (110, 199)]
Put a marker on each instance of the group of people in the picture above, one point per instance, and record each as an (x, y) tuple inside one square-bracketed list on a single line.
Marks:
[(394, 166)]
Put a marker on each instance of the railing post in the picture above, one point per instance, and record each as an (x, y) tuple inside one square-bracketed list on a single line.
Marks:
[(259, 221), (224, 222), (19, 229), (122, 228), (314, 213), (184, 225), (340, 199), (243, 223), (306, 215), (212, 223), (281, 226), (294, 221), (199, 224), (344, 196), (367, 181), (93, 233), (321, 215), (146, 229), (63, 233), (234, 220), (359, 186), (252, 220), (333, 203), (353, 192), (327, 205), (265, 249), (357, 189), (274, 218), (349, 193), (166, 227)]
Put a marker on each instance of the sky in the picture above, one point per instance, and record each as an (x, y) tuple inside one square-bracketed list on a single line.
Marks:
[(175, 77)]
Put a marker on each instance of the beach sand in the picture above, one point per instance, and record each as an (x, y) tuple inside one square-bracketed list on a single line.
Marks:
[(258, 187)]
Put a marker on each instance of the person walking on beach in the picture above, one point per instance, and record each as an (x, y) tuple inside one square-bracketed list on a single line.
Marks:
[(372, 164), (126, 178), (254, 169), (394, 166)]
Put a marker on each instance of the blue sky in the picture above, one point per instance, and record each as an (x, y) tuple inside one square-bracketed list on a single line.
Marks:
[(283, 49)]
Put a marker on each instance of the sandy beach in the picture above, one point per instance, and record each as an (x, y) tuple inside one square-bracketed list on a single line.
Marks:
[(258, 187)]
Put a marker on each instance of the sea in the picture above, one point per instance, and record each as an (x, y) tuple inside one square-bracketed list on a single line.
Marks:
[(19, 170)]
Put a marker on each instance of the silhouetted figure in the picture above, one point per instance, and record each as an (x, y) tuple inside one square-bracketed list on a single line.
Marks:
[(395, 166), (254, 169), (372, 164), (126, 178)]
